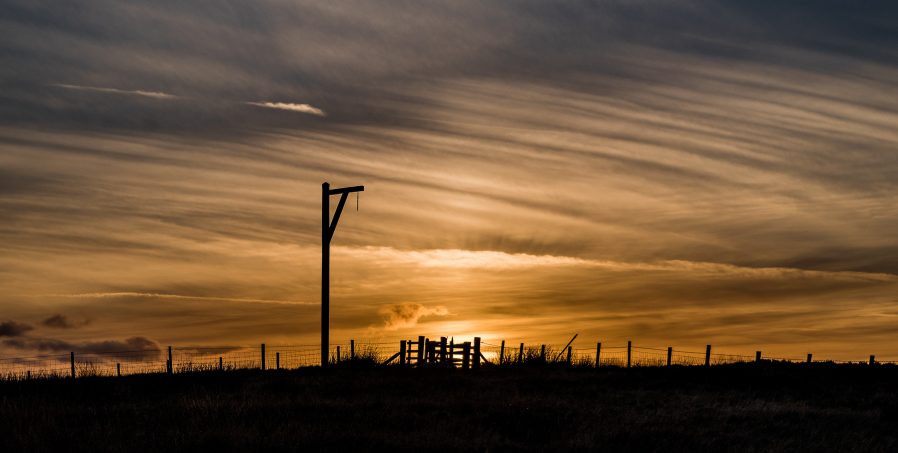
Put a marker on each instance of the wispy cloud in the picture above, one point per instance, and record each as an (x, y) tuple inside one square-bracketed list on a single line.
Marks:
[(149, 94), (13, 329), (134, 348), (128, 294), (301, 108), (407, 315), (59, 321), (498, 260)]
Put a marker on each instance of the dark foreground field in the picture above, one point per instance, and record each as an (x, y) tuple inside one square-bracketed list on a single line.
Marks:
[(767, 407)]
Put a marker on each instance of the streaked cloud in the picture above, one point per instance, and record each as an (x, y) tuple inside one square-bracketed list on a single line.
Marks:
[(301, 108), (122, 294), (149, 94), (490, 259), (470, 259)]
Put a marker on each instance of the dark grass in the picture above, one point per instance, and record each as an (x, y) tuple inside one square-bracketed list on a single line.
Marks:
[(740, 408)]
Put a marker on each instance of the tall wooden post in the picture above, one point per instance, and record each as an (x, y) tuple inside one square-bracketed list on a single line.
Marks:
[(338, 354), (402, 352), (629, 352), (466, 355), (220, 364), (325, 271), (542, 353), (327, 233), (598, 353), (758, 356), (171, 365), (570, 350), (263, 356), (521, 354), (72, 359), (118, 369), (809, 357), (502, 352), (351, 350), (708, 355), (277, 360), (872, 360), (443, 350), (669, 354)]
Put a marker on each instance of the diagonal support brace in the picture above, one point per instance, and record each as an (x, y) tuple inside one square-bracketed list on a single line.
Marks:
[(333, 225)]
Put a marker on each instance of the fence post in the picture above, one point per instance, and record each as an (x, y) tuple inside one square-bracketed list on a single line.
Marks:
[(708, 355), (338, 354), (466, 355), (220, 364), (570, 350), (629, 352), (598, 353), (118, 369), (171, 365), (72, 358), (442, 349), (476, 364), (28, 375), (502, 352), (758, 356), (277, 360), (351, 350), (542, 353), (402, 352), (669, 354), (420, 350), (263, 356), (809, 357), (521, 354), (872, 359)]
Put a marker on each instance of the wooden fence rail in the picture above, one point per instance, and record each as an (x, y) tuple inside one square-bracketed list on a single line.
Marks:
[(418, 352)]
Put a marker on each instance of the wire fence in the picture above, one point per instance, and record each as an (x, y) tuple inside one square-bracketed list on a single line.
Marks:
[(74, 364)]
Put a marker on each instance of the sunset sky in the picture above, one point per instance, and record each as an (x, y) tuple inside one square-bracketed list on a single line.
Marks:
[(668, 172)]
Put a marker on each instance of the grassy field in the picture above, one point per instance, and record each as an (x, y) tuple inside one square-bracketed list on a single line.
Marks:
[(741, 408)]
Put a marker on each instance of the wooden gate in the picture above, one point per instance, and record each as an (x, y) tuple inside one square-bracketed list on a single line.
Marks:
[(427, 352)]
